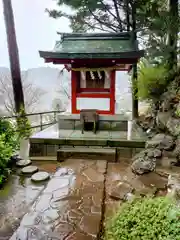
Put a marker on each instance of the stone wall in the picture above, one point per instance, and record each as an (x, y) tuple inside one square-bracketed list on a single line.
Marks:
[(163, 127)]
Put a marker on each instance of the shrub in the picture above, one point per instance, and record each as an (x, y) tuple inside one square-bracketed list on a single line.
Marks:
[(6, 151), (9, 141), (8, 145), (152, 81), (9, 130), (147, 219)]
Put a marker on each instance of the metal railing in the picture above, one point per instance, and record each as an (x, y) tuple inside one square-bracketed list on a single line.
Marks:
[(51, 118)]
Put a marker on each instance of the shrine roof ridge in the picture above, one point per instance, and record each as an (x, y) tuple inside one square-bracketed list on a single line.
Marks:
[(95, 36), (94, 46), (73, 56)]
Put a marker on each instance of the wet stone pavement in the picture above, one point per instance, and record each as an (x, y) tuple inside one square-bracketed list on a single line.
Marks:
[(15, 200), (18, 195), (70, 207), (75, 203)]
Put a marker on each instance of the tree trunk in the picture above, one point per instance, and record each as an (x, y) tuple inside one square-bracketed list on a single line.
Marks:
[(135, 104), (127, 15), (173, 33), (134, 75), (13, 56)]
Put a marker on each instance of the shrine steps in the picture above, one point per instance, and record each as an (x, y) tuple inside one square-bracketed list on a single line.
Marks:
[(44, 152), (112, 145), (90, 153)]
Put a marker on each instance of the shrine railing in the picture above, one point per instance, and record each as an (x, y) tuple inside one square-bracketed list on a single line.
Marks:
[(45, 119)]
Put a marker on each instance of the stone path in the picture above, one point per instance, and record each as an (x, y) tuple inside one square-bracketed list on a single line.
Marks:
[(79, 198), (70, 207)]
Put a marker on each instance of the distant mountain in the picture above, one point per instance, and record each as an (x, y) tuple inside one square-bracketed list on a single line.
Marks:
[(49, 80), (4, 70), (53, 84)]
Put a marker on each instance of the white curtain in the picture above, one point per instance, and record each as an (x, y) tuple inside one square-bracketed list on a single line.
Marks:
[(107, 79), (83, 79)]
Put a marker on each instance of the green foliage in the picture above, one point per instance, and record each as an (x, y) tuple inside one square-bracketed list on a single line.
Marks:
[(9, 130), (152, 81), (156, 22), (8, 145), (153, 19), (23, 125), (146, 219), (9, 140), (177, 113), (6, 151)]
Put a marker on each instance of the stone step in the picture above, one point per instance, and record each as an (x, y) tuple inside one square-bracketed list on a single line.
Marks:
[(96, 153), (40, 176), (23, 163), (29, 170)]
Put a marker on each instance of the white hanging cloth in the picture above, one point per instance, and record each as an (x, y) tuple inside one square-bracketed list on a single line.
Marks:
[(107, 79), (83, 79), (99, 75), (92, 75)]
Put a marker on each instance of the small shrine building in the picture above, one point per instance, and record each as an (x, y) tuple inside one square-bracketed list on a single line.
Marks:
[(93, 59), (93, 126)]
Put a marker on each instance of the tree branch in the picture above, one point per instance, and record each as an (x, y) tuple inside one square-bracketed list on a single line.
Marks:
[(118, 15), (107, 9), (103, 23), (100, 27)]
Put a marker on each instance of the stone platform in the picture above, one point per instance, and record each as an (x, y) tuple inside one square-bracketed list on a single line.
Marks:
[(48, 141), (118, 122)]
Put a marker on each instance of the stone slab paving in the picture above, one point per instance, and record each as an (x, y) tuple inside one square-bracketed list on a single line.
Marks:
[(53, 132), (70, 206), (90, 135)]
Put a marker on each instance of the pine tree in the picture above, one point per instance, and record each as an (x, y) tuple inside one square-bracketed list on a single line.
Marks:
[(153, 21)]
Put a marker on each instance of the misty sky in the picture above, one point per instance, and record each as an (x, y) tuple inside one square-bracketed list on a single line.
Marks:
[(35, 30)]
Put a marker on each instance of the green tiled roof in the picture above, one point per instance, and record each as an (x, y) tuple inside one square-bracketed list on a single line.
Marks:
[(92, 45)]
